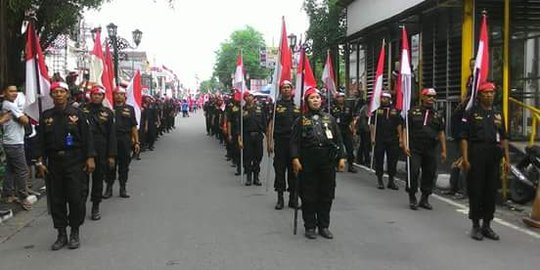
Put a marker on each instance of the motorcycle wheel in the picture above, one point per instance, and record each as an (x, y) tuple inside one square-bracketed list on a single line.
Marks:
[(520, 192)]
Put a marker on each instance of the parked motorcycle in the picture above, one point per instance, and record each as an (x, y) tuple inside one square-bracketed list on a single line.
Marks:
[(525, 176)]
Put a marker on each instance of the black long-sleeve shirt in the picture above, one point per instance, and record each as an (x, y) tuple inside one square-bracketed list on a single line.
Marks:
[(102, 125), (315, 129), (55, 125)]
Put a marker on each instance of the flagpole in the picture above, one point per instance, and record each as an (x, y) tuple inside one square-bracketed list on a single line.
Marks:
[(242, 124), (297, 178), (374, 139), (276, 80)]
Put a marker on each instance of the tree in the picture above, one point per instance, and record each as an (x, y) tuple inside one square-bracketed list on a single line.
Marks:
[(327, 26), (209, 86), (248, 41)]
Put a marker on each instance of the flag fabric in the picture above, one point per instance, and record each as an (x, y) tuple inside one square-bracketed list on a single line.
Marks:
[(329, 80), (378, 83), (134, 95), (109, 67), (99, 73), (309, 79), (37, 80), (403, 87), (481, 64), (285, 59)]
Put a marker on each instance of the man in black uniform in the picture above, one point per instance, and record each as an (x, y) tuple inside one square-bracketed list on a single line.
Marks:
[(316, 149), (101, 120), (386, 140), (344, 118), (426, 130), (127, 138), (483, 144), (233, 130), (67, 149), (279, 133), (362, 129), (254, 118)]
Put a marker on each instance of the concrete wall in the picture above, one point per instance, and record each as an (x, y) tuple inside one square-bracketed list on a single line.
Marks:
[(363, 13)]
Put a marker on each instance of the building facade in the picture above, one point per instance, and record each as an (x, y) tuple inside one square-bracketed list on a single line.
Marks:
[(443, 35)]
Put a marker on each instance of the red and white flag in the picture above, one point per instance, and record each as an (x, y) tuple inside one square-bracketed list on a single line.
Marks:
[(99, 73), (403, 87), (375, 102), (109, 67), (481, 63), (134, 95), (37, 80), (283, 68), (328, 76), (239, 82), (309, 80)]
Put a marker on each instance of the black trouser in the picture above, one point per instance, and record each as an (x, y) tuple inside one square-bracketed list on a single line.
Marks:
[(391, 148), (98, 176), (317, 187), (253, 151), (425, 159), (123, 159), (364, 148), (151, 136), (65, 178), (282, 165), (482, 179), (347, 136), (235, 151)]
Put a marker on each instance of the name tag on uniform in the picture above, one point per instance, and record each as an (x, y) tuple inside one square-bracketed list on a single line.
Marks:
[(328, 132), (338, 120), (498, 137)]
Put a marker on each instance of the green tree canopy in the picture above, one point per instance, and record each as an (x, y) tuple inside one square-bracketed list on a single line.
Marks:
[(248, 41), (209, 86)]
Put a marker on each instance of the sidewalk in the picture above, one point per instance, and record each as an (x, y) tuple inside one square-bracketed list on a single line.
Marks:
[(9, 210)]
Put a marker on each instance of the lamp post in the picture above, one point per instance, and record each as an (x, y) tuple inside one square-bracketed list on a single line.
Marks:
[(119, 43), (137, 35), (292, 44)]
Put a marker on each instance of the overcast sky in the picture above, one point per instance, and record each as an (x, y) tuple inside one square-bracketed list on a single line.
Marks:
[(185, 38)]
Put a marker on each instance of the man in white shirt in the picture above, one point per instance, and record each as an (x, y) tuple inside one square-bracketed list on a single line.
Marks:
[(13, 141)]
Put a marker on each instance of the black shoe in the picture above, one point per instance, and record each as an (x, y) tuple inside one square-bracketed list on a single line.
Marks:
[(424, 203), (392, 185), (293, 201), (412, 202), (256, 180), (123, 192), (108, 192), (489, 233), (237, 173), (74, 241), (280, 201), (325, 232), (61, 240), (380, 184), (249, 179), (95, 212), (476, 234), (310, 234)]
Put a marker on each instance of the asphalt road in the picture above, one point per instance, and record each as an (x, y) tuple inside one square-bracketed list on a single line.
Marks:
[(188, 211)]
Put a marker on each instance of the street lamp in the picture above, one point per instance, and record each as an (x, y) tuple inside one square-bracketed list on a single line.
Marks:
[(292, 41), (112, 31), (119, 43), (137, 35)]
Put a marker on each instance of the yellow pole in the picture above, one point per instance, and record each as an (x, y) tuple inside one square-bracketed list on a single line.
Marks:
[(529, 107), (467, 40), (533, 131), (506, 64)]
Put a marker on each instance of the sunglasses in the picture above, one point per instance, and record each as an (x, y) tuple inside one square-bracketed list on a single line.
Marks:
[(431, 96)]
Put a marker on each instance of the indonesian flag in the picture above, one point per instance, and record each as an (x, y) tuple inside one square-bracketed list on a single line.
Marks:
[(282, 71), (378, 83), (328, 78), (239, 81), (99, 73), (481, 64), (134, 95), (403, 91), (309, 79), (37, 80), (110, 74)]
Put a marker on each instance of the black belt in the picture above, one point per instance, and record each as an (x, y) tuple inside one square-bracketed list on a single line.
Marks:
[(61, 153)]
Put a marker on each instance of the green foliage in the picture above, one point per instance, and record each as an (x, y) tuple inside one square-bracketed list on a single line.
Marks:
[(327, 29), (209, 86), (248, 41)]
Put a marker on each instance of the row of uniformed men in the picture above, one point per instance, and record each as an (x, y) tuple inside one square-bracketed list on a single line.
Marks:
[(79, 145)]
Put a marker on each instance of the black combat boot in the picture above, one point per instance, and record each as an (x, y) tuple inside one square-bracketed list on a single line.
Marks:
[(237, 170), (412, 201), (392, 183), (280, 201), (256, 180), (380, 183), (74, 241), (424, 203), (352, 169), (95, 211), (249, 179), (476, 232), (61, 240), (293, 200), (488, 232), (123, 191), (108, 191)]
